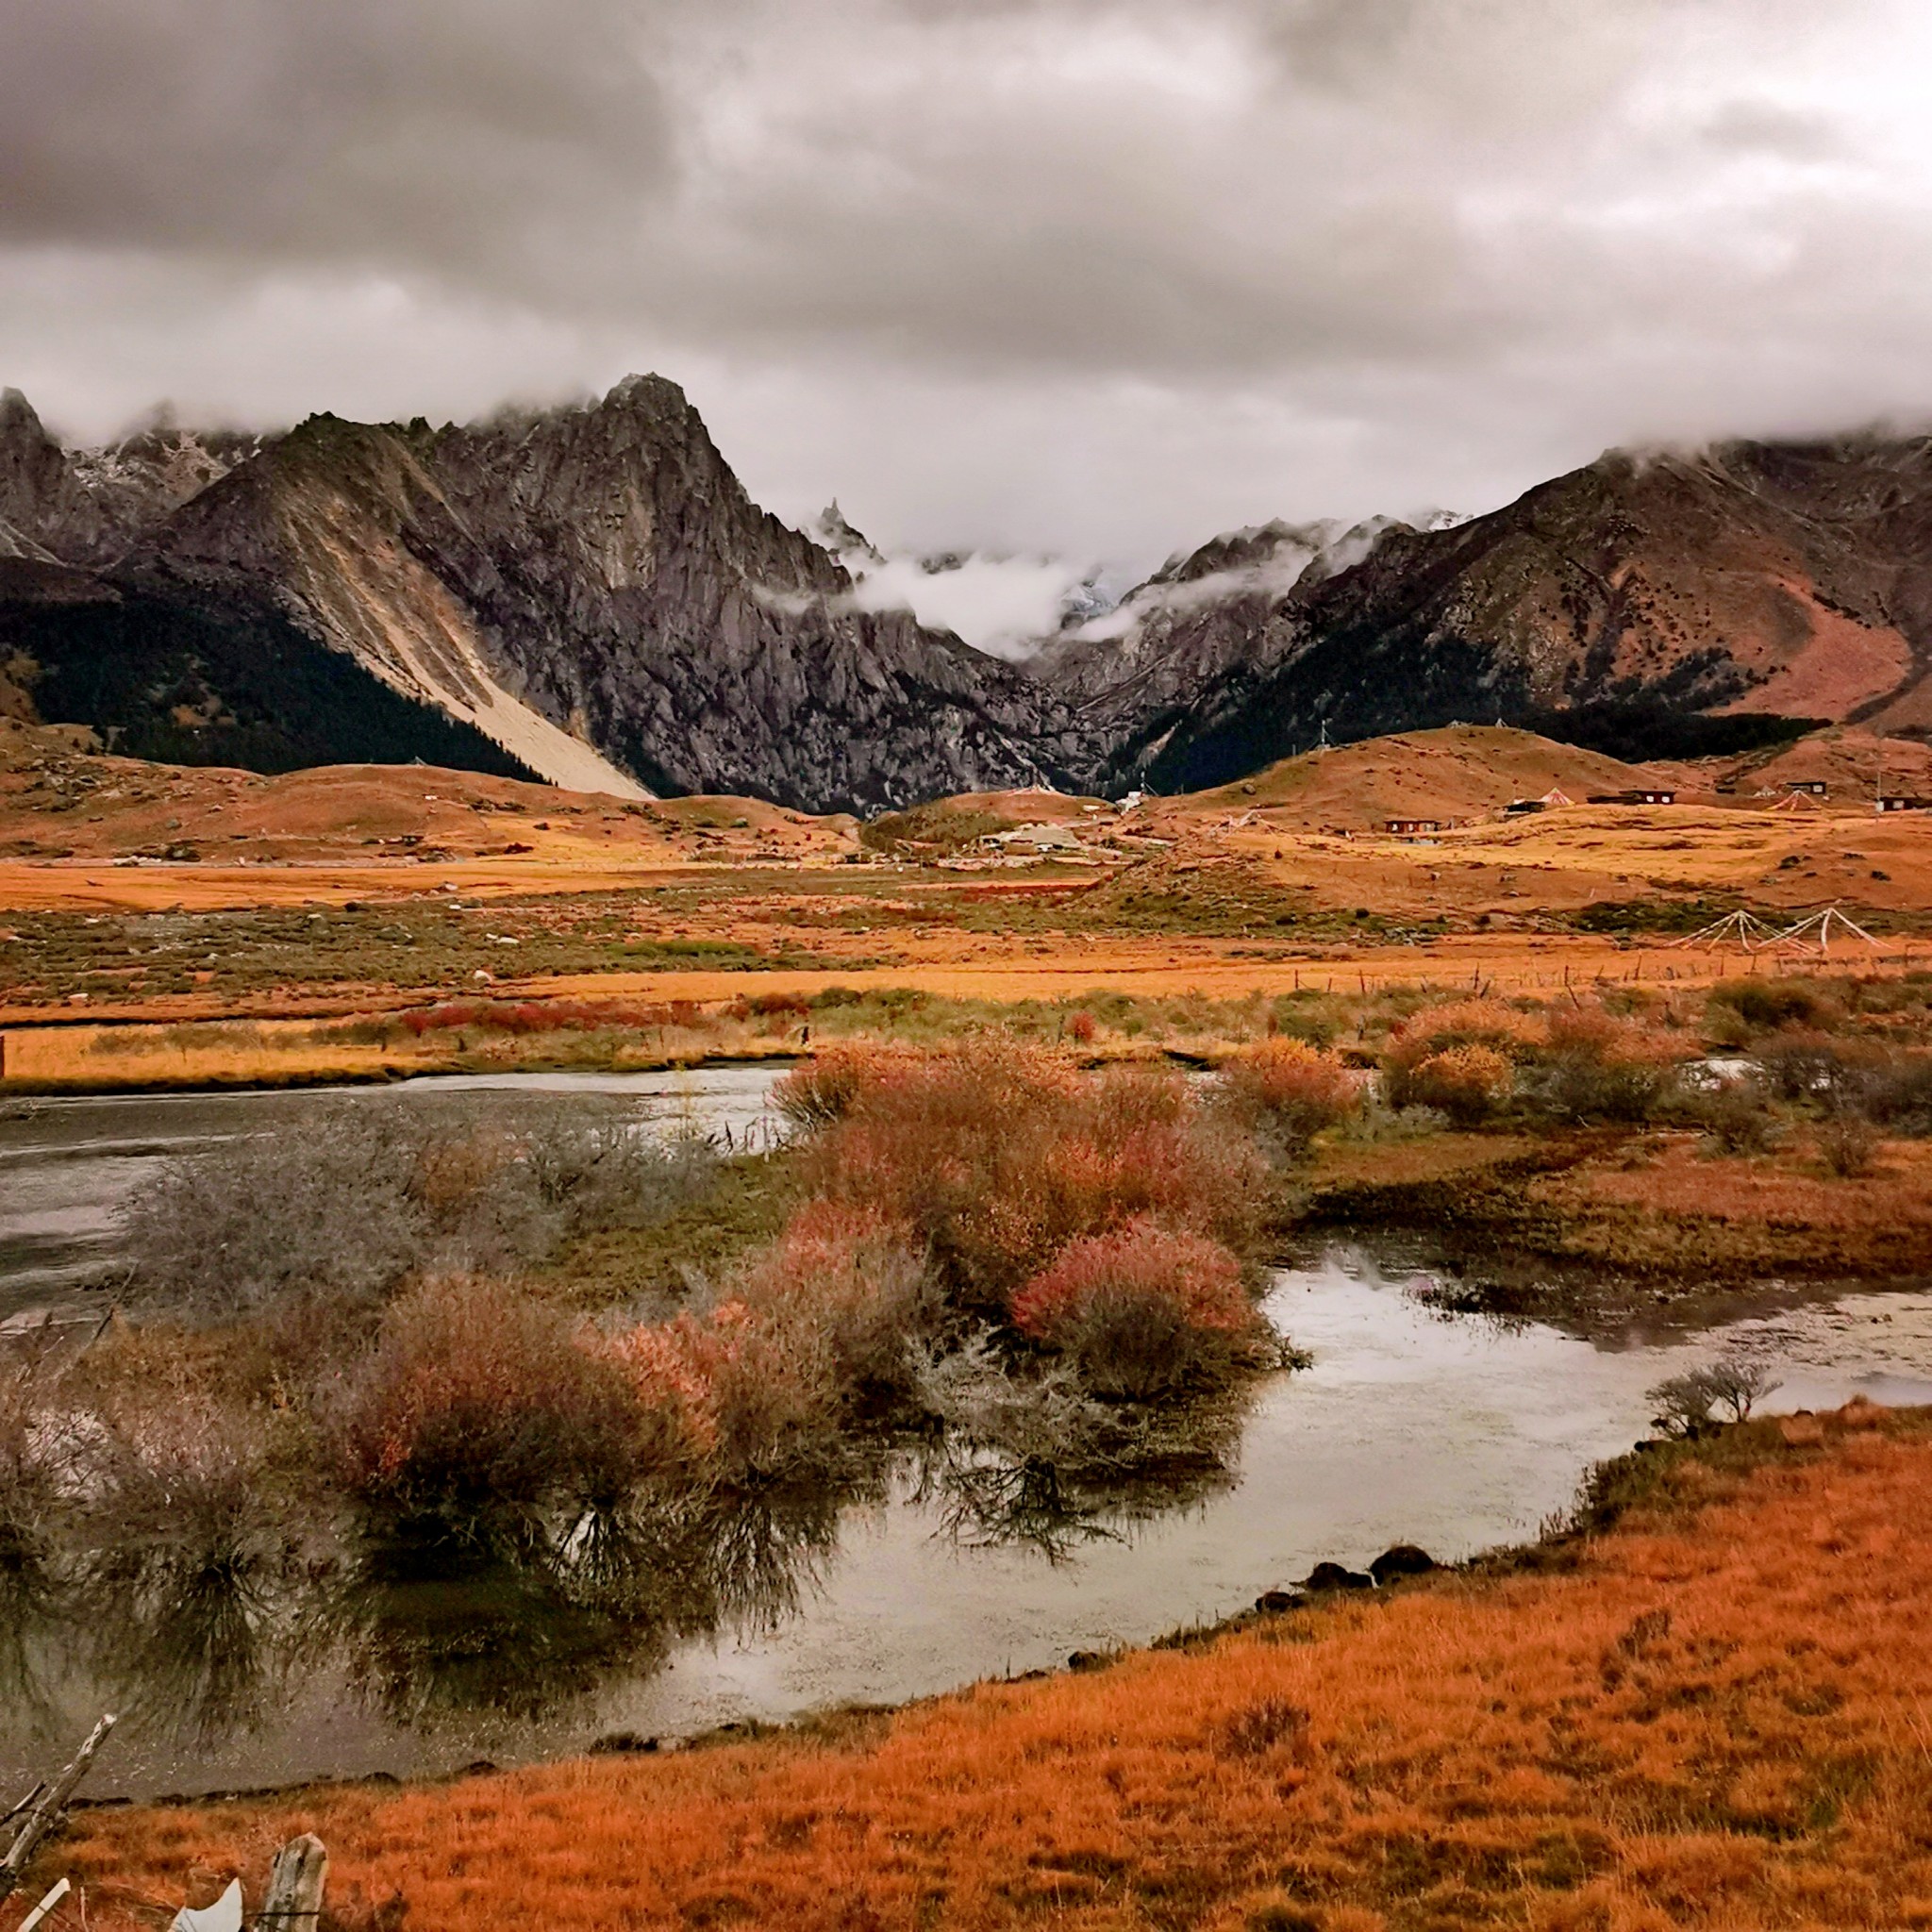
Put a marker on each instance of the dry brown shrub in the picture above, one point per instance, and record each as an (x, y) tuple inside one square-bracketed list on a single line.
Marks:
[(1292, 1088), (1467, 1083), (1847, 1144), (451, 1174)]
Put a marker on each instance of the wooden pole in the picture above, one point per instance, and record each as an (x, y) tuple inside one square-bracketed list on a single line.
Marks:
[(294, 1887), (44, 1815)]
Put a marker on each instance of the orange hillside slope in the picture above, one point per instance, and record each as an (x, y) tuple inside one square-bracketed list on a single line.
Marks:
[(1717, 1719)]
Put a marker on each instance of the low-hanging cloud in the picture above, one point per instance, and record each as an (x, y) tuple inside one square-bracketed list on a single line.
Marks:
[(1098, 276)]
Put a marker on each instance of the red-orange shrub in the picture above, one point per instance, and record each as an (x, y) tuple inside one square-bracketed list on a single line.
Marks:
[(750, 1397), (1142, 1309), (476, 1404), (531, 1016), (996, 1154), (1291, 1087), (850, 1280)]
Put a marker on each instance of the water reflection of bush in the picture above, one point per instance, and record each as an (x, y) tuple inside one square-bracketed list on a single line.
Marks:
[(1097, 1481), (432, 1631), (199, 1629), (205, 1619)]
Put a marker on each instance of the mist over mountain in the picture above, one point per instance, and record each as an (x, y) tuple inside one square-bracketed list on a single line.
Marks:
[(1000, 604), (589, 594)]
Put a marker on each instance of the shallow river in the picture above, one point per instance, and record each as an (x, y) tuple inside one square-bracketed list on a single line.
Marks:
[(1452, 1432)]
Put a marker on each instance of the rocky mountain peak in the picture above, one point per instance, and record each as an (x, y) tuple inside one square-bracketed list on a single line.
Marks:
[(35, 489), (19, 418), (653, 395)]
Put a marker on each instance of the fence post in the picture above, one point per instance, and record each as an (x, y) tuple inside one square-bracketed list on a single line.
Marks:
[(294, 1887)]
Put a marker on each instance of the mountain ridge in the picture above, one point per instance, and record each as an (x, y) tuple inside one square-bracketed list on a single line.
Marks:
[(592, 592)]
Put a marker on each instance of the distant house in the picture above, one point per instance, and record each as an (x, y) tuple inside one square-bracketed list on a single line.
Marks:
[(1413, 829), (1902, 801), (1036, 839), (1816, 788), (1638, 795)]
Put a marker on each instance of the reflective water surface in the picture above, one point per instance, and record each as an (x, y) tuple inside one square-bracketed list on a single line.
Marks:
[(246, 1652)]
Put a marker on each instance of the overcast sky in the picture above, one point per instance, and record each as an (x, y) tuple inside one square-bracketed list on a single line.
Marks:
[(1091, 275)]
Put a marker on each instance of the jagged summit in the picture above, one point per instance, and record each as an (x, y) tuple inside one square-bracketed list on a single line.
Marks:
[(652, 395), (589, 586)]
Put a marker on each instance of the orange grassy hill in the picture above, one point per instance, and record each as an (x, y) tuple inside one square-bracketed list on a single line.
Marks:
[(61, 798), (1459, 772), (1852, 764), (1715, 1715)]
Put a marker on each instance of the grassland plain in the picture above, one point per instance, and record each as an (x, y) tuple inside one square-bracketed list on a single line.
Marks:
[(1702, 1704)]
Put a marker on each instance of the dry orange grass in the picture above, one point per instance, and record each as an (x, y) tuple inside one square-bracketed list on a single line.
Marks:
[(1681, 1208), (1718, 1718), (1408, 1164)]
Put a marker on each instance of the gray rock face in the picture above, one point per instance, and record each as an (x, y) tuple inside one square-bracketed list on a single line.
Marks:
[(595, 576), (87, 507), (710, 647)]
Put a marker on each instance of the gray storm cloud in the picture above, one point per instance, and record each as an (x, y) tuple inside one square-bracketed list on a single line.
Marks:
[(1097, 276)]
